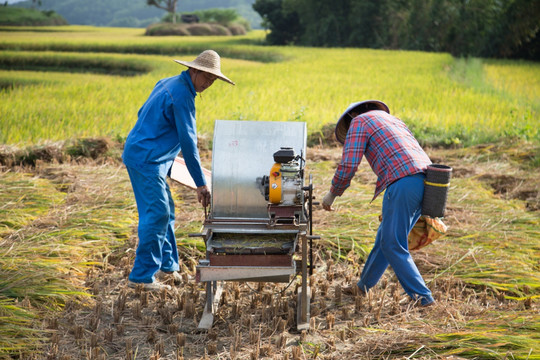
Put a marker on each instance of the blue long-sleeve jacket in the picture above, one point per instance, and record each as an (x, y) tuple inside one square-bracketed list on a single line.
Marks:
[(166, 124)]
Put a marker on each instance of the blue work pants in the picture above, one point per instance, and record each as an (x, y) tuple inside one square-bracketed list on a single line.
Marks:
[(157, 244), (400, 210)]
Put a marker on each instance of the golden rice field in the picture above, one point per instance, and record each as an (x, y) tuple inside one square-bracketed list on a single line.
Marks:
[(68, 228), (441, 98)]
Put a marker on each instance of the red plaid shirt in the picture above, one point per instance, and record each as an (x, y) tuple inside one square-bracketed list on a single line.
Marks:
[(389, 147)]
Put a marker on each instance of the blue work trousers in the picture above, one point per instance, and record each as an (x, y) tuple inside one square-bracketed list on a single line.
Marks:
[(157, 244), (400, 210)]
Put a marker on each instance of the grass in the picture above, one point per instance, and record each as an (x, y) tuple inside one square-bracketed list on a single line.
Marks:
[(40, 275), (47, 61), (501, 234), (445, 101)]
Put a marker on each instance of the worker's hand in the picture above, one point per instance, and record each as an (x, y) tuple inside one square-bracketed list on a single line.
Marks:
[(203, 195), (327, 201)]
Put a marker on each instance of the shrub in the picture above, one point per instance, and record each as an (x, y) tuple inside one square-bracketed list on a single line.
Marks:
[(200, 29), (237, 29), (217, 29), (228, 18), (221, 16), (166, 29), (242, 22)]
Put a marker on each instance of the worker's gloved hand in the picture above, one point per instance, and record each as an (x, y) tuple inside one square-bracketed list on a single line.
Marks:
[(203, 195), (327, 201)]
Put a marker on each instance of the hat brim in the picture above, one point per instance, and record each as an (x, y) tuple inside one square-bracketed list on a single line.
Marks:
[(219, 74), (342, 126)]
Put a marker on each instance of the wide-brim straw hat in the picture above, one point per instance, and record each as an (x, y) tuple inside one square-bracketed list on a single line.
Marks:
[(344, 121), (207, 61)]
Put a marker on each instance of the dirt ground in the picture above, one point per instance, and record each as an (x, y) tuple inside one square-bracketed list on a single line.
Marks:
[(258, 320)]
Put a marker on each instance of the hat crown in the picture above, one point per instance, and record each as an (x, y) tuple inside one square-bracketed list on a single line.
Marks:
[(209, 59), (342, 125)]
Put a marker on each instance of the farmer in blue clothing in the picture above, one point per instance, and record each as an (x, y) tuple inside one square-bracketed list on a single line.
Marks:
[(166, 125)]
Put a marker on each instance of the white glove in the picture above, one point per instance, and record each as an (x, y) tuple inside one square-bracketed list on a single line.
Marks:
[(328, 200)]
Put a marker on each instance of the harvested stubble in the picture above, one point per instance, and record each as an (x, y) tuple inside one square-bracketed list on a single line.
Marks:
[(470, 320)]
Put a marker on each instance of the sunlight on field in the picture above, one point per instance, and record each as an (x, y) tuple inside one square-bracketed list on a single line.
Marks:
[(309, 84), (521, 79)]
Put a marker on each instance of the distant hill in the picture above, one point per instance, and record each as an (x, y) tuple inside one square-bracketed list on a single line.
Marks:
[(135, 13), (13, 16)]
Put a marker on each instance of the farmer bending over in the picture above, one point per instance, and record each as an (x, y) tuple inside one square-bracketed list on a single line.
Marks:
[(166, 124), (367, 129)]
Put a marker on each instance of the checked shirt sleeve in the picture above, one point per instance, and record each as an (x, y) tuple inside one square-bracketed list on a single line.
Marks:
[(353, 151)]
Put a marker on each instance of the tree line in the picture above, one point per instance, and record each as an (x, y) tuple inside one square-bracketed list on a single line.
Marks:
[(480, 28)]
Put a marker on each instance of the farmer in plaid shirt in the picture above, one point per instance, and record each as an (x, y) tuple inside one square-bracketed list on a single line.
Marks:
[(367, 129)]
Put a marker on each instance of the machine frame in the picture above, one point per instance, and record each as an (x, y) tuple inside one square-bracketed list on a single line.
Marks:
[(265, 246)]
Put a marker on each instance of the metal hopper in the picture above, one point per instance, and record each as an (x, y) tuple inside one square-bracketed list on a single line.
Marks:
[(259, 223)]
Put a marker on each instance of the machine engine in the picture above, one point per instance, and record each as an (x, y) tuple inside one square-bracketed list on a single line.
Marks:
[(283, 187), (284, 184)]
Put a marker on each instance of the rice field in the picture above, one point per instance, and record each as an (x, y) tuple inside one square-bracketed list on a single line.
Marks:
[(444, 100), (68, 229)]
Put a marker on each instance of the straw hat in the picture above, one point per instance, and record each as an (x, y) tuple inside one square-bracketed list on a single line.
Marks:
[(207, 61), (361, 107)]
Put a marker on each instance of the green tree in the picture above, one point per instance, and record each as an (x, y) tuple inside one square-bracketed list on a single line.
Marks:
[(220, 16), (368, 23), (324, 22), (168, 5), (283, 23), (519, 33), (482, 28)]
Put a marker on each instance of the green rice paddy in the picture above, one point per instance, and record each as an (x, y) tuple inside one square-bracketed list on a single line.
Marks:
[(444, 100)]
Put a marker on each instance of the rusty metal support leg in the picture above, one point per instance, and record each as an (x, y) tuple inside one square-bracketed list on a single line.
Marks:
[(304, 293), (214, 290)]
